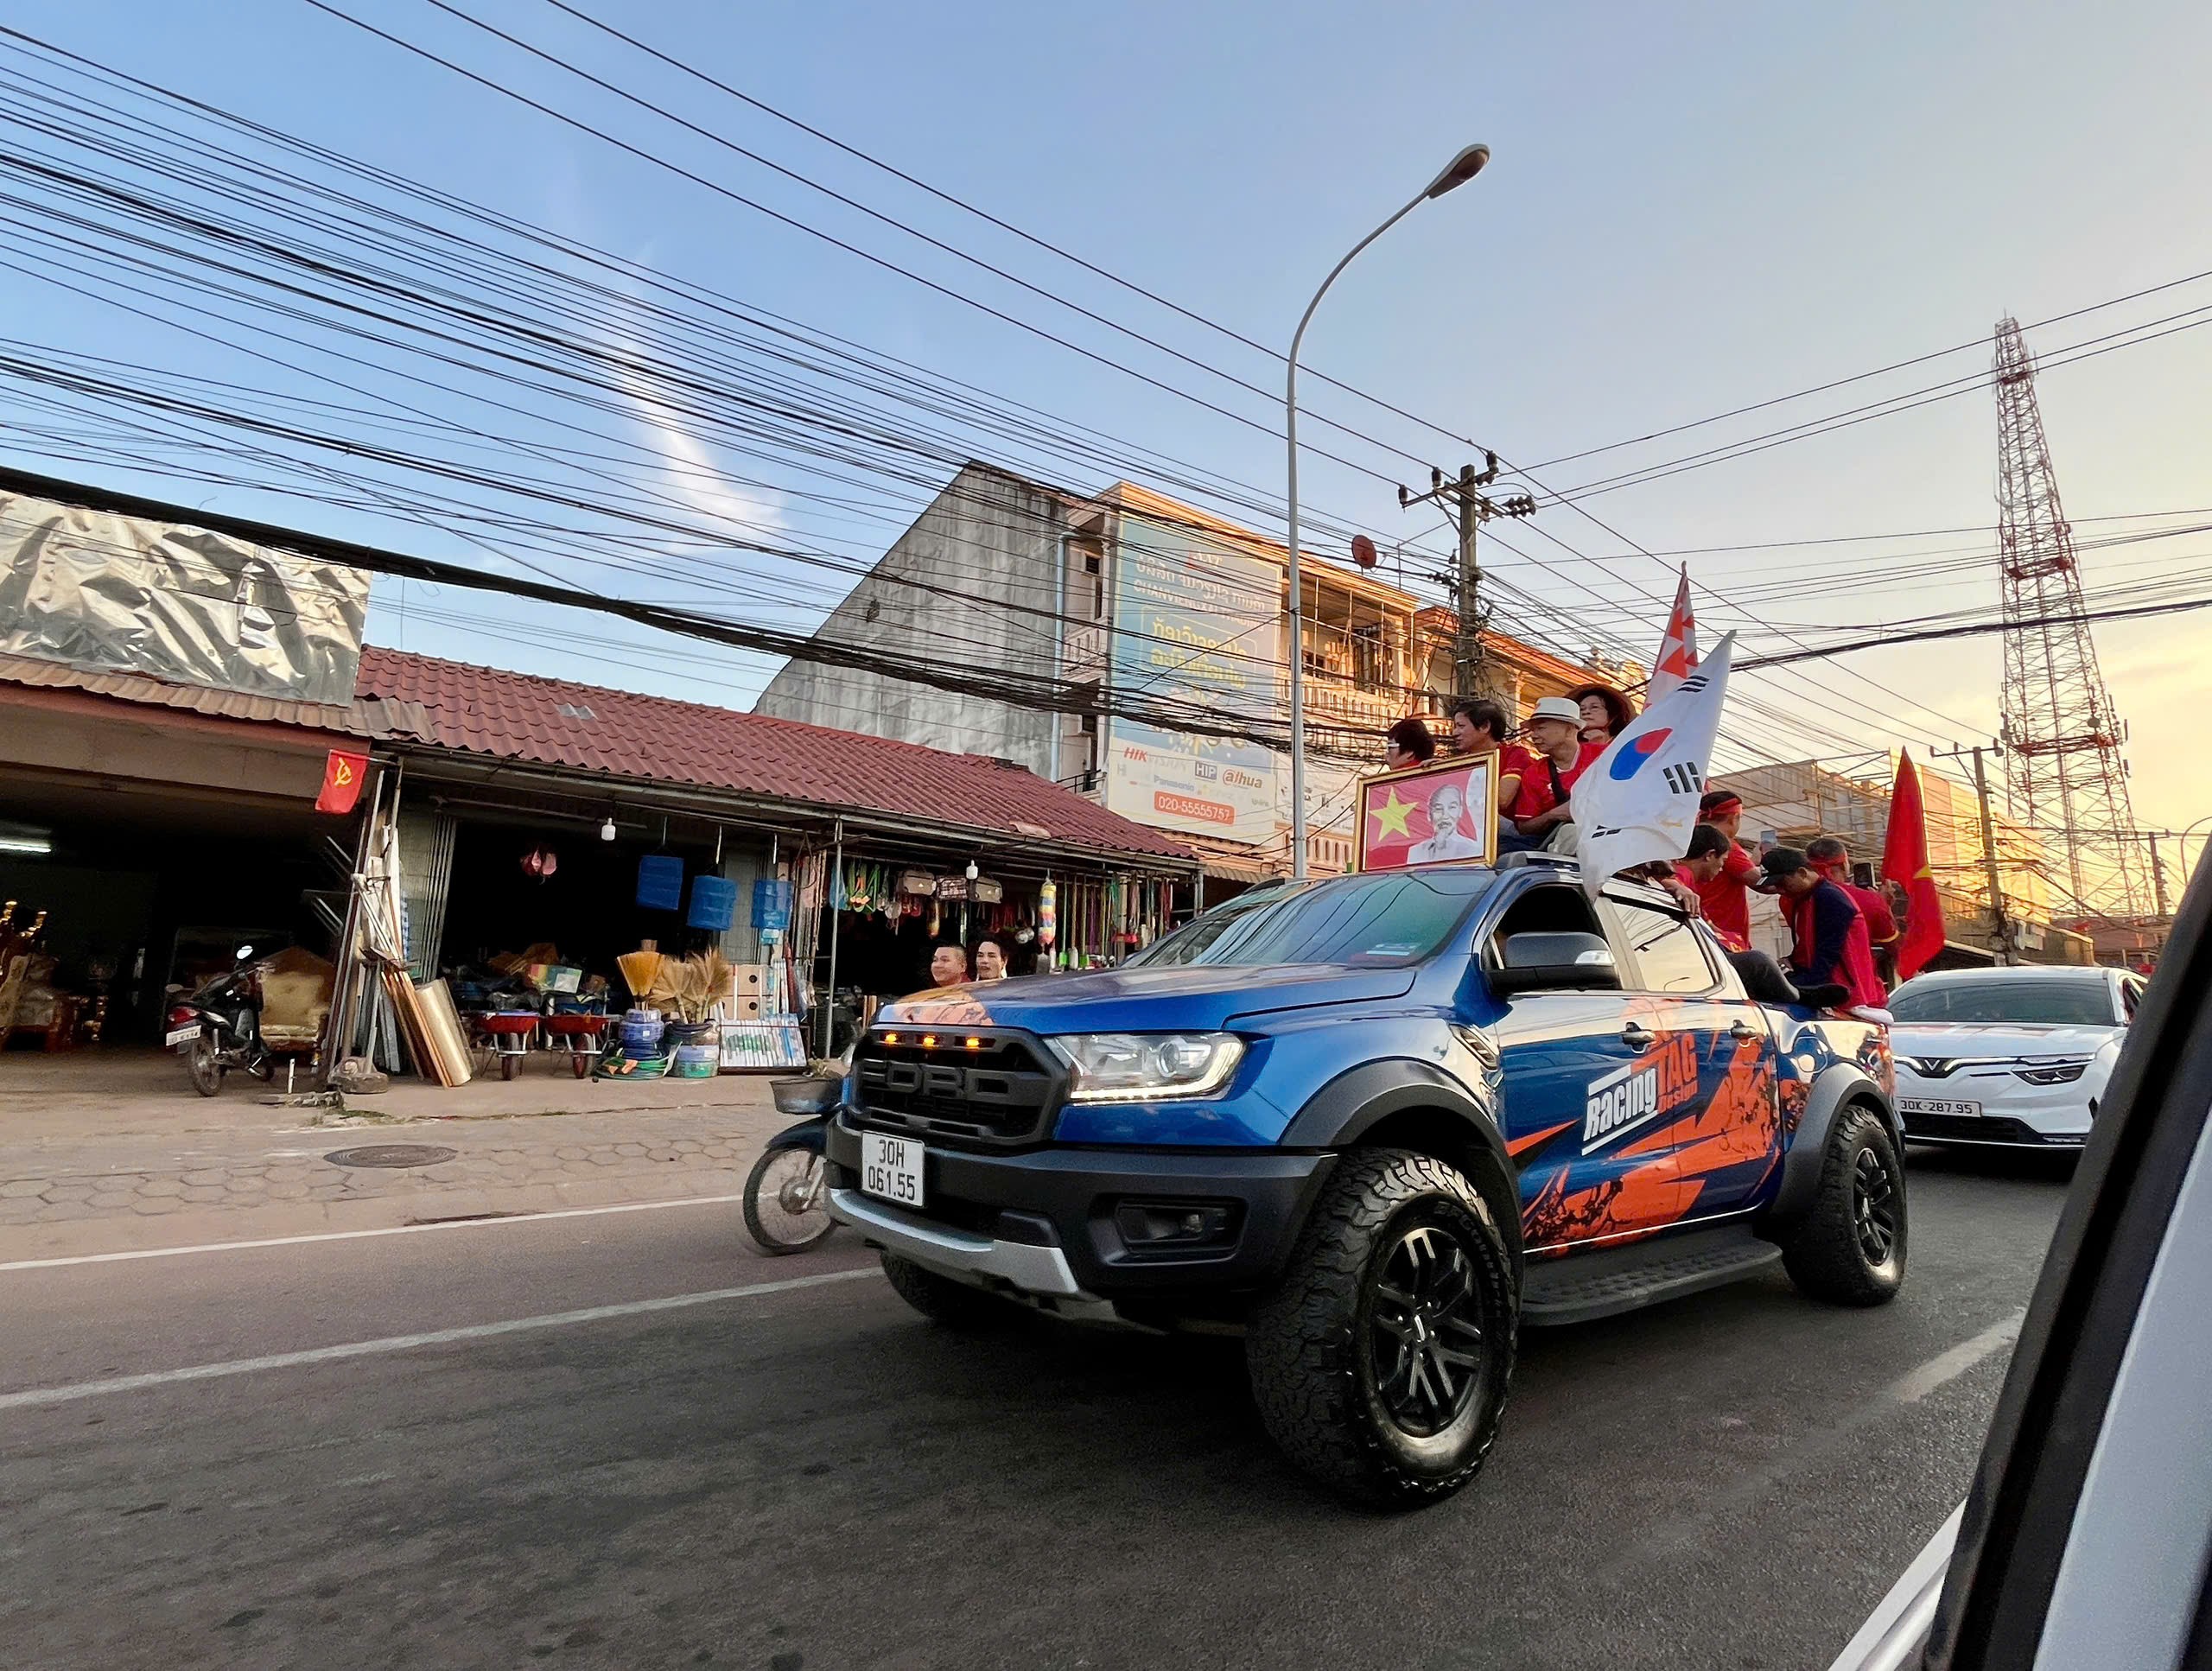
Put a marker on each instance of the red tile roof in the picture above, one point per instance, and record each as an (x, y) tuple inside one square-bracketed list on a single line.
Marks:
[(518, 716)]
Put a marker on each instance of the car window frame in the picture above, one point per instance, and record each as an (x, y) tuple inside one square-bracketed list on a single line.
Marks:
[(2058, 1393), (1612, 907)]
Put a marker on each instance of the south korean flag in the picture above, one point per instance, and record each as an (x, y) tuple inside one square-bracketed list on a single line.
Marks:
[(1638, 800)]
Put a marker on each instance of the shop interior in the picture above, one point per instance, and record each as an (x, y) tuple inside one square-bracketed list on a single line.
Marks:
[(124, 893)]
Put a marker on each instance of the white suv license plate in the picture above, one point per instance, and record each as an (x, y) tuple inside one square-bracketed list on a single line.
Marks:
[(891, 1168), (1938, 1105)]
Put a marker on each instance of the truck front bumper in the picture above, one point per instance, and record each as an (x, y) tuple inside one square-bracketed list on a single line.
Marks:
[(1054, 1224)]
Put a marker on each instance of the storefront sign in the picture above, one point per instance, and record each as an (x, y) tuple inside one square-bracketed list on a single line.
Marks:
[(952, 887), (1195, 621)]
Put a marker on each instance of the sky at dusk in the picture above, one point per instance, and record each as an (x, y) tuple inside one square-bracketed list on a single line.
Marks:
[(1690, 209)]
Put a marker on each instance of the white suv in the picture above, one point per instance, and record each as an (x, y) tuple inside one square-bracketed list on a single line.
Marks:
[(2012, 1057)]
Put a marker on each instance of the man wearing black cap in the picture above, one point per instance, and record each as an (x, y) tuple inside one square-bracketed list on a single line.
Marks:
[(1831, 934)]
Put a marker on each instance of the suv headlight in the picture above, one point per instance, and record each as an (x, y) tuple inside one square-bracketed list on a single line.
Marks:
[(1147, 1067), (2053, 1073)]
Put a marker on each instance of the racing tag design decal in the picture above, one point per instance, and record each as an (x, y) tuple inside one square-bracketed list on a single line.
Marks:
[(1640, 1091)]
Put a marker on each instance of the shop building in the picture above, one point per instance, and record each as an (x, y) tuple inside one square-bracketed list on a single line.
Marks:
[(197, 753), (1132, 592)]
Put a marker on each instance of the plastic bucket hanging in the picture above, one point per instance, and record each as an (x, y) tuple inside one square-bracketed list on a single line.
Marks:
[(714, 903), (660, 882)]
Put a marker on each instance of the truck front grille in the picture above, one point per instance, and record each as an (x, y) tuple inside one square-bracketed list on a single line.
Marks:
[(975, 1085)]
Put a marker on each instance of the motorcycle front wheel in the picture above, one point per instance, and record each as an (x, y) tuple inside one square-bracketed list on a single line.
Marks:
[(203, 1062), (786, 1201)]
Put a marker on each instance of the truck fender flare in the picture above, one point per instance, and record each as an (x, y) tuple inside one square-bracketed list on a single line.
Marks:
[(1838, 1084), (1344, 1111)]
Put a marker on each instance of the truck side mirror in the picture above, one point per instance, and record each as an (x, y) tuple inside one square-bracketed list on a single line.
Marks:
[(1554, 963)]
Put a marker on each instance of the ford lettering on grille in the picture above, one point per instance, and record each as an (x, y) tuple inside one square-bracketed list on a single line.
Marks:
[(1000, 1091)]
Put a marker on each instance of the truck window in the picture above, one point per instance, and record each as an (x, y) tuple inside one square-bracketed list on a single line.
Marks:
[(1668, 953), (1556, 908)]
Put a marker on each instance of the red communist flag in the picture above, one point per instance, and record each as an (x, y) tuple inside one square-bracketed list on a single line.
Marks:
[(1905, 861), (341, 781)]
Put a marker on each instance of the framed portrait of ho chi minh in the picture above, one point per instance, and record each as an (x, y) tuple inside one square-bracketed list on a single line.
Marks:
[(1442, 812)]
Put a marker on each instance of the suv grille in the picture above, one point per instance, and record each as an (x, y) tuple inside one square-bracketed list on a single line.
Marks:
[(1000, 1090)]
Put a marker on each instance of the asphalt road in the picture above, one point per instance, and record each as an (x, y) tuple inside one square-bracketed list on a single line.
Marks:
[(811, 1475)]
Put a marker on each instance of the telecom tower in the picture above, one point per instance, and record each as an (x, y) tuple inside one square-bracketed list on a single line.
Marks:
[(2061, 736)]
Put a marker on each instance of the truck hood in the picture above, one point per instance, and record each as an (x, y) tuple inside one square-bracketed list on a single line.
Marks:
[(1957, 1041), (1181, 1000)]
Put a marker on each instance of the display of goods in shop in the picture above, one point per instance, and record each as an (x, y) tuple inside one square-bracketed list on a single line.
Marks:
[(920, 882), (771, 907), (952, 887), (639, 970), (986, 891)]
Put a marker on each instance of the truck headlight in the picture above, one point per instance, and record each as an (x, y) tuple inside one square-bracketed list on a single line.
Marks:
[(1147, 1067)]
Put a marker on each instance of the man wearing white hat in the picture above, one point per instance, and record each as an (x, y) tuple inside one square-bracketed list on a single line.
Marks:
[(1557, 756)]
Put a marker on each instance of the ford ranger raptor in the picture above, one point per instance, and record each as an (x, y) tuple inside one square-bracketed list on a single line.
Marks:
[(1377, 1123)]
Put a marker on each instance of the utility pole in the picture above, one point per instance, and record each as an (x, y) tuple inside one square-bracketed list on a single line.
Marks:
[(2159, 876), (1465, 505), (2000, 926)]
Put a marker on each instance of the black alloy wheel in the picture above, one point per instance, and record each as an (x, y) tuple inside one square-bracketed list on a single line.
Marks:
[(1425, 1331), (1874, 1208)]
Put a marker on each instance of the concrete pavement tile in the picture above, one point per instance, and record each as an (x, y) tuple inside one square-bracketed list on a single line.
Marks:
[(67, 1191), (206, 1194), (288, 1189), (247, 1184), (632, 1149), (204, 1175), (57, 1212), (159, 1203), (109, 1200), (606, 1158), (572, 1152), (161, 1186), (17, 1187), (23, 1209)]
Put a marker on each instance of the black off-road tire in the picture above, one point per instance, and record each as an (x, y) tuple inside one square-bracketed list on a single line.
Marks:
[(1311, 1345), (942, 1300), (1832, 1254)]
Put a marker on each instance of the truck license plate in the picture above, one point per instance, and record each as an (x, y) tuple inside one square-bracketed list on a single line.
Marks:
[(892, 1168), (1912, 1105), (183, 1035)]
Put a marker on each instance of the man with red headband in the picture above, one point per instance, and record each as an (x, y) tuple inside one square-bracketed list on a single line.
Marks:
[(1727, 894)]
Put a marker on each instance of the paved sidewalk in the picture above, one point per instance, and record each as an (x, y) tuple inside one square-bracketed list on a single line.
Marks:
[(145, 1168)]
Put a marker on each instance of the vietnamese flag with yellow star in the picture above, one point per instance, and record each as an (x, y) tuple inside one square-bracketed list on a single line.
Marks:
[(1403, 816)]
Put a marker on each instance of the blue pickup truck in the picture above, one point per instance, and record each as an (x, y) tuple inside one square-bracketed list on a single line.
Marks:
[(1376, 1123)]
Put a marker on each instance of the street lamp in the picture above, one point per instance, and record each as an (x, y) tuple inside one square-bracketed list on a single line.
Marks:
[(1457, 172), (2182, 841)]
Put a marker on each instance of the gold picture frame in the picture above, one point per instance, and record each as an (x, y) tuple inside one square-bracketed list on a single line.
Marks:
[(1395, 824)]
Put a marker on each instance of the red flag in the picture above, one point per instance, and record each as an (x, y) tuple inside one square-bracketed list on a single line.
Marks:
[(341, 781), (1678, 649), (1905, 861)]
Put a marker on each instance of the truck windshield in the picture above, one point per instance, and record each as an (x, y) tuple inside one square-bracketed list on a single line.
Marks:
[(1381, 921), (1201, 932)]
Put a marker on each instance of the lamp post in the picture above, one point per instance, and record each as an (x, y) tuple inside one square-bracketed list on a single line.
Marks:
[(1462, 169), (2182, 841)]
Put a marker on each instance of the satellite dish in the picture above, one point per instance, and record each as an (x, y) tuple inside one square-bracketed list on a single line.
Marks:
[(1363, 550)]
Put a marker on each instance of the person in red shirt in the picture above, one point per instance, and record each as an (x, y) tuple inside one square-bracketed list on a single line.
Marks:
[(1832, 858), (1727, 896), (1704, 865), (1831, 933), (1541, 811), (1606, 712), (1480, 724)]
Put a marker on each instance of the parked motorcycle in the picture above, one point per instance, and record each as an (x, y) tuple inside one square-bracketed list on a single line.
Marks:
[(787, 1196), (218, 1028)]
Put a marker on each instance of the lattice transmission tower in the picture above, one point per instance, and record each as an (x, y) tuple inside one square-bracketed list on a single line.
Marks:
[(2062, 737)]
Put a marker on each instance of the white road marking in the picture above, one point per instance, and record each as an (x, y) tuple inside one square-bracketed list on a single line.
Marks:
[(1949, 1366), (246, 1366), (350, 1235)]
